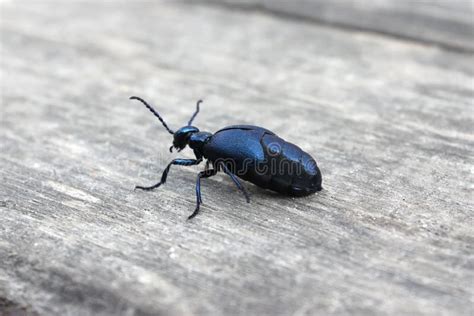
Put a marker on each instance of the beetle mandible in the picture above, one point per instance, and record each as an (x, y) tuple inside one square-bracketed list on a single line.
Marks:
[(251, 153)]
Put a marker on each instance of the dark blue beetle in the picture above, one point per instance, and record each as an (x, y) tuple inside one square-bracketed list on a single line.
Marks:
[(249, 152)]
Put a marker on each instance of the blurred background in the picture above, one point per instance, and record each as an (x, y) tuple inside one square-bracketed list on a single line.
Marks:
[(379, 92)]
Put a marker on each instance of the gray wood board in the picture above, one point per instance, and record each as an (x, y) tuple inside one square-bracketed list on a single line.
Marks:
[(389, 122), (447, 23)]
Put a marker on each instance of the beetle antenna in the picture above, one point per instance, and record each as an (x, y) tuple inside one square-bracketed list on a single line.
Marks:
[(195, 113), (152, 110)]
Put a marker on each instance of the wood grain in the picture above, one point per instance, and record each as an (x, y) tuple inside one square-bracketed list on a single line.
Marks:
[(445, 23), (389, 121)]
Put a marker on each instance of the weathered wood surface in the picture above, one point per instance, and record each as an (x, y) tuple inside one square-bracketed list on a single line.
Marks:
[(446, 23), (389, 121)]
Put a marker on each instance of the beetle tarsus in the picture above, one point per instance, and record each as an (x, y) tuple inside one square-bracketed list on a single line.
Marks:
[(155, 186), (196, 211)]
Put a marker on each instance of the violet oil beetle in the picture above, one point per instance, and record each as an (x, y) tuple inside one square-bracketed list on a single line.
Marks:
[(246, 152)]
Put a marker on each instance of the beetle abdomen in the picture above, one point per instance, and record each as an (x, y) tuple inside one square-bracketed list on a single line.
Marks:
[(259, 156), (293, 171)]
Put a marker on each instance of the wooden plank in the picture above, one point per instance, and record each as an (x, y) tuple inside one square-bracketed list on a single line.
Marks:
[(389, 121), (447, 23)]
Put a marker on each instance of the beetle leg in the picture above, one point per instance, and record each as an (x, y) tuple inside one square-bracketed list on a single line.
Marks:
[(201, 175), (178, 162), (207, 165), (236, 181)]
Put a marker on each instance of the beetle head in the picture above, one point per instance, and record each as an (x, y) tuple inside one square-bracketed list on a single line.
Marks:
[(181, 137)]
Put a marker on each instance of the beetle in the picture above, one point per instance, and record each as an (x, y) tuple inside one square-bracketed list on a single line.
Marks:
[(248, 152)]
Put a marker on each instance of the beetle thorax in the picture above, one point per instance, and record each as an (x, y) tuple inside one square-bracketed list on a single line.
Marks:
[(198, 140)]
